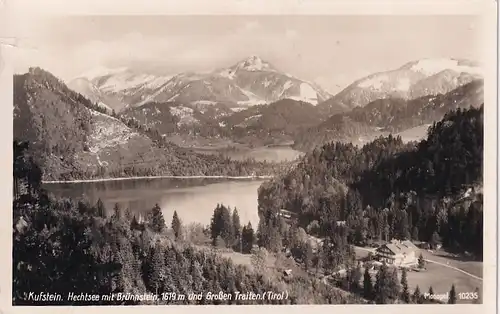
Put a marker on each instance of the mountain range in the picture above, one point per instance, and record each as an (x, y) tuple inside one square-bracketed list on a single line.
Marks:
[(413, 80), (249, 82), (119, 114), (221, 103), (391, 116)]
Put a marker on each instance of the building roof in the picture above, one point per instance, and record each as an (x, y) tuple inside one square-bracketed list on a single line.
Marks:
[(399, 247)]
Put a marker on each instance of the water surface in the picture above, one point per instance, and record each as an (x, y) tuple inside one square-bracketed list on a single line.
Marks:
[(193, 199)]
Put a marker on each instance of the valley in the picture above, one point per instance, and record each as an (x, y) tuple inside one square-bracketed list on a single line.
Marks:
[(197, 178)]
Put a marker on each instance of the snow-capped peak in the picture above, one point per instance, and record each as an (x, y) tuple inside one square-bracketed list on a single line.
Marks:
[(432, 66), (254, 63)]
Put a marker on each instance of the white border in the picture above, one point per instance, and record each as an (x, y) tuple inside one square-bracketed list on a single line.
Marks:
[(18, 10)]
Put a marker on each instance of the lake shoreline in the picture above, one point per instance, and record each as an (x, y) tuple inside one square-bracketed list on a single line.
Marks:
[(157, 177)]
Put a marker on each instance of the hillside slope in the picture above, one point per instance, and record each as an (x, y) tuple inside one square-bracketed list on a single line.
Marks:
[(393, 115)]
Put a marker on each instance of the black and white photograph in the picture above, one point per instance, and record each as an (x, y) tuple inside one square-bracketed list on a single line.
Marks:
[(249, 160)]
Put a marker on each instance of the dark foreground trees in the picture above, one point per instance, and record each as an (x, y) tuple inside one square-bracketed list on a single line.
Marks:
[(387, 289), (61, 246)]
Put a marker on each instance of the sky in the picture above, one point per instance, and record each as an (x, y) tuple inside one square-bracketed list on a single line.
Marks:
[(332, 51)]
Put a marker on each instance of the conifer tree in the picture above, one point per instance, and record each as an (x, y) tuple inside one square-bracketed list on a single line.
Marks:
[(216, 224), (367, 285), (101, 210), (386, 286), (247, 238), (452, 298), (237, 229), (227, 227), (421, 261), (155, 273), (157, 222), (405, 294), (117, 213), (431, 292), (417, 297), (395, 284), (176, 225)]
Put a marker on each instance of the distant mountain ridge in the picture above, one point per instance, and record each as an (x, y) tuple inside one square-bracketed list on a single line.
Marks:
[(393, 115), (412, 80), (249, 82)]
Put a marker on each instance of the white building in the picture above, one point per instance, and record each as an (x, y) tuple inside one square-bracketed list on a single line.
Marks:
[(398, 253)]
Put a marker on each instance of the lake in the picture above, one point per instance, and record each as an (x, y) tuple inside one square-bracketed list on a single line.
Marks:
[(193, 199)]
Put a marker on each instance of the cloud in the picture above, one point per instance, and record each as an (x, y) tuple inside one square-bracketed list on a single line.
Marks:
[(169, 50), (186, 44)]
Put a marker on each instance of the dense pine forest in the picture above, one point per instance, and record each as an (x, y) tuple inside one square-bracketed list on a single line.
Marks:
[(428, 191), (61, 246)]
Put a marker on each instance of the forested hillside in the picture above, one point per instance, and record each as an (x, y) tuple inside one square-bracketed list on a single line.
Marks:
[(388, 189), (52, 117), (60, 246), (174, 118), (271, 123)]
